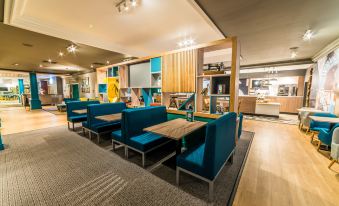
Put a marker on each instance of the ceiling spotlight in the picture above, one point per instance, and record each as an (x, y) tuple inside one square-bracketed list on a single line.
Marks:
[(92, 66), (40, 65), (61, 54), (16, 64), (72, 48), (125, 5), (294, 52), (308, 35), (49, 60), (186, 43), (107, 62)]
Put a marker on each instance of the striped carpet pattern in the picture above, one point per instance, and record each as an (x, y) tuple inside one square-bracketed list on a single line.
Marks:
[(54, 166)]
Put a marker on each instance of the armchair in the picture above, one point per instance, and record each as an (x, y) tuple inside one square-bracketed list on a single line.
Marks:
[(335, 147), (325, 136), (315, 126)]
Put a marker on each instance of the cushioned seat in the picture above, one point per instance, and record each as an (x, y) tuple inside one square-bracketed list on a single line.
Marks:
[(84, 124), (206, 160), (325, 136), (117, 135), (79, 118), (146, 141), (192, 160), (317, 126), (103, 127), (317, 129)]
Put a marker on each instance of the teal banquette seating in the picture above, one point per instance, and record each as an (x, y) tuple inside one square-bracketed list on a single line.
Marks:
[(132, 135), (205, 161), (76, 105), (98, 127), (315, 126), (66, 100), (241, 117), (325, 136)]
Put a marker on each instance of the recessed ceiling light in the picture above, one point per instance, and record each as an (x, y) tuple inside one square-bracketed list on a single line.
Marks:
[(134, 3), (61, 54), (90, 26), (16, 64), (72, 48), (49, 60), (92, 66), (186, 43), (107, 62), (308, 35), (294, 52), (40, 65)]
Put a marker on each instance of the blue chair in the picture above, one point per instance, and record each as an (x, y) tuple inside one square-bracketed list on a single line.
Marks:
[(325, 136), (76, 105), (315, 126), (206, 160), (132, 136), (241, 117), (98, 127)]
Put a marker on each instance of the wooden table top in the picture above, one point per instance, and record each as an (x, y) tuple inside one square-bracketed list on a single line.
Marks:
[(175, 129), (309, 109), (80, 111), (109, 117), (325, 119)]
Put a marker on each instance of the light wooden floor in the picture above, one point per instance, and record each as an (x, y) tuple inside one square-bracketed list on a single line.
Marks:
[(17, 119), (283, 168)]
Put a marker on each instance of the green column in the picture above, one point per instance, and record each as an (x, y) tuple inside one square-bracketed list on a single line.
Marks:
[(35, 101), (75, 91), (21, 88)]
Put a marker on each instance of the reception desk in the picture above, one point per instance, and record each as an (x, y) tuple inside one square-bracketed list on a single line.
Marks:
[(288, 104), (269, 108)]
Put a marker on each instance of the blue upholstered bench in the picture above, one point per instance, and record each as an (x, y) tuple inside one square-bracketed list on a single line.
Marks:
[(76, 105), (206, 160), (132, 135), (98, 127)]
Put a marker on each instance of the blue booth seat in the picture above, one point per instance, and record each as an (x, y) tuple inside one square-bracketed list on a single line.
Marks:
[(315, 126), (66, 100), (205, 161), (325, 136), (98, 127), (132, 135), (76, 105), (241, 117)]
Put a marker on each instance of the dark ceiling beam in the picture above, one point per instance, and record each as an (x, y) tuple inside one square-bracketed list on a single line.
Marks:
[(209, 16), (2, 10), (277, 64)]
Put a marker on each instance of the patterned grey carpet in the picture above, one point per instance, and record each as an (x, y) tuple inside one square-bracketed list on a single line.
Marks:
[(54, 166)]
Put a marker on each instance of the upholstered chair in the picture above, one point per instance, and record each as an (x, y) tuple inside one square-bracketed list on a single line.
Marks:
[(335, 147)]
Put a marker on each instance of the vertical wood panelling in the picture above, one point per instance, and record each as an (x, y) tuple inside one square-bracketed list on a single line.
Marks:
[(123, 75), (179, 71), (234, 86)]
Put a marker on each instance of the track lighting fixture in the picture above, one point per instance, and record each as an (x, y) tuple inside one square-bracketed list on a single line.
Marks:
[(125, 5)]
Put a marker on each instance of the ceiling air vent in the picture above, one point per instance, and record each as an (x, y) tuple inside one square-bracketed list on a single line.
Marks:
[(49, 62), (98, 63)]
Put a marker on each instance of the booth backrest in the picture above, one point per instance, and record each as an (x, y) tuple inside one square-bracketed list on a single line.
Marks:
[(321, 124), (241, 117), (94, 110), (219, 143), (76, 106), (66, 100), (135, 120)]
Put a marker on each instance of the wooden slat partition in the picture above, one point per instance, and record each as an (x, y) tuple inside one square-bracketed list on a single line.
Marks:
[(179, 71), (123, 74)]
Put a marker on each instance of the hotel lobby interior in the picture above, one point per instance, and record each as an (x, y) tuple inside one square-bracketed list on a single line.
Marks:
[(169, 102)]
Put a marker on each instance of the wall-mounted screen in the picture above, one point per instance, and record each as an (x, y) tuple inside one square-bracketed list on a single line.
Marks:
[(140, 75)]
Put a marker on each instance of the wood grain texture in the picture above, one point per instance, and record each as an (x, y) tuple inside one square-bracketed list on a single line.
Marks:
[(196, 114), (123, 76), (175, 129), (247, 104), (235, 70), (284, 168), (179, 71), (109, 117), (80, 111)]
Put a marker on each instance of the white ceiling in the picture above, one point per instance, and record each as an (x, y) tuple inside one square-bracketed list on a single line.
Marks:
[(153, 27)]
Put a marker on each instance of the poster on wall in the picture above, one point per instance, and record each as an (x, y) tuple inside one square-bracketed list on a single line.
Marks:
[(328, 83), (85, 88)]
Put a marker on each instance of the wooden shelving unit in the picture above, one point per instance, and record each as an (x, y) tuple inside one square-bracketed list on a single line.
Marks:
[(181, 72)]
